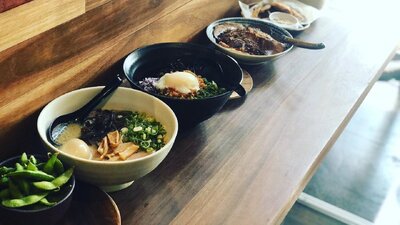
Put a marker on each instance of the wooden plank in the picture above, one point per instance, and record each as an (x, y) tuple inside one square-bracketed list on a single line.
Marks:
[(9, 4), (91, 4), (35, 17)]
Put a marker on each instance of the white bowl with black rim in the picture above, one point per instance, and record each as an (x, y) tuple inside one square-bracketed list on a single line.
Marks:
[(246, 58)]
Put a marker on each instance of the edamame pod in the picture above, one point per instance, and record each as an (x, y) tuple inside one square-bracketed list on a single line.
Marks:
[(31, 166), (58, 167), (17, 187), (24, 159), (14, 191), (24, 186), (34, 175), (49, 166), (20, 202), (46, 202), (32, 159), (18, 167), (56, 183)]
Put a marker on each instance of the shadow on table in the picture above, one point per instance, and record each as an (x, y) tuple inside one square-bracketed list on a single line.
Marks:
[(262, 74), (163, 191)]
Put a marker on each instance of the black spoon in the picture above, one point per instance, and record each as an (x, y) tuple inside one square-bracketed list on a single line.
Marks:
[(61, 122)]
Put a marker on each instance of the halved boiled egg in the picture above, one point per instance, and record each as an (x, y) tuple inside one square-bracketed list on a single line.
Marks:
[(77, 147), (182, 81)]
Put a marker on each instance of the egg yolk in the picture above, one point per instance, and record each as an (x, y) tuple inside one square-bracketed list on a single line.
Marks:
[(77, 147), (183, 82)]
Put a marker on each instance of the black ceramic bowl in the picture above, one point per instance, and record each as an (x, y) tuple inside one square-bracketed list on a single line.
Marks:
[(154, 60), (43, 216)]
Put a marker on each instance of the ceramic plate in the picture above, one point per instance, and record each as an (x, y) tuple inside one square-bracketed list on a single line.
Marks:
[(309, 13)]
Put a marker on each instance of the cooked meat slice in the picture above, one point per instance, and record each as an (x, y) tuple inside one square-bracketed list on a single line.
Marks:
[(249, 40)]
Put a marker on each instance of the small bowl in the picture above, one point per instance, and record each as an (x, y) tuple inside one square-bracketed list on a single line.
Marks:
[(285, 20), (245, 58), (45, 216), (149, 61), (115, 175)]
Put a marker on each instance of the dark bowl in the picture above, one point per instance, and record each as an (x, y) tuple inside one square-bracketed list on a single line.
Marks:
[(44, 216), (153, 60)]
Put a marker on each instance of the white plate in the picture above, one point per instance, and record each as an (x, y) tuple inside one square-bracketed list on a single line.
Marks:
[(310, 13)]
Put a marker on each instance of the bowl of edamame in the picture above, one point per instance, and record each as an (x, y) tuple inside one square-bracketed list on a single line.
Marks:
[(35, 189)]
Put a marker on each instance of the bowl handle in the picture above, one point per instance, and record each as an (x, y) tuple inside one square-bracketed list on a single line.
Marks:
[(239, 89)]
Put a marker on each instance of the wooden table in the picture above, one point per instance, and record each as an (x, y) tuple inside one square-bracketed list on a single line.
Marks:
[(249, 163)]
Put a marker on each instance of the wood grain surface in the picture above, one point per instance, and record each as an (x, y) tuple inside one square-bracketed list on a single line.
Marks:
[(9, 4), (35, 17), (78, 54), (91, 4)]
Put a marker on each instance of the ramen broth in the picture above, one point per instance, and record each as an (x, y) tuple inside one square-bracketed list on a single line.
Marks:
[(111, 135)]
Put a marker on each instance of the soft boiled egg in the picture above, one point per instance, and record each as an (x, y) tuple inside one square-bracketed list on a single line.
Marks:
[(182, 81), (77, 147)]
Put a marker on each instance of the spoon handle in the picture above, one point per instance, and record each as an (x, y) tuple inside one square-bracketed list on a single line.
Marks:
[(109, 88), (301, 44)]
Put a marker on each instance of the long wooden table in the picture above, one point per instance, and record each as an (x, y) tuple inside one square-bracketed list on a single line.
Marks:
[(249, 163)]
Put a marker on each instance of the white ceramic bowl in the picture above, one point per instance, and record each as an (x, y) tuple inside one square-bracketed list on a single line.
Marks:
[(111, 176), (242, 57), (284, 20)]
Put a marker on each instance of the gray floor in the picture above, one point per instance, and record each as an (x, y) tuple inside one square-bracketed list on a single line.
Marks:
[(362, 165)]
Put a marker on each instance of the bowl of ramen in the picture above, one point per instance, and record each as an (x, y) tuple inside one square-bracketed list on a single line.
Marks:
[(195, 81), (249, 41), (120, 141)]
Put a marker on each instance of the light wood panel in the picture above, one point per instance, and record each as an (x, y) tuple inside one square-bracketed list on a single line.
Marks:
[(35, 17), (91, 4)]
